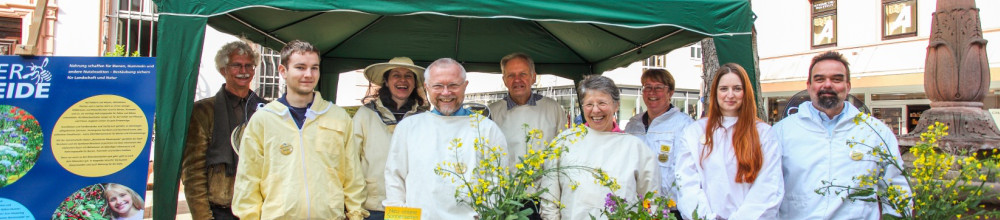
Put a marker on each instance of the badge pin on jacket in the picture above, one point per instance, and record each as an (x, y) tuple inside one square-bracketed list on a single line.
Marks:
[(286, 148)]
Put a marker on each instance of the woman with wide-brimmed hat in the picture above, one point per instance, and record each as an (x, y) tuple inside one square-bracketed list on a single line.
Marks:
[(400, 96)]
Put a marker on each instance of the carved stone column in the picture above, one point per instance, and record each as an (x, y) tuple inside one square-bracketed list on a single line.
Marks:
[(956, 79)]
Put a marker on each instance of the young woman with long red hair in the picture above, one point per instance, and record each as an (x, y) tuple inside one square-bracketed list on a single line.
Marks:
[(727, 167)]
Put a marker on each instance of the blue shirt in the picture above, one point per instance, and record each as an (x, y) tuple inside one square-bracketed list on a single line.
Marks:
[(298, 114), (825, 119), (460, 112), (531, 100)]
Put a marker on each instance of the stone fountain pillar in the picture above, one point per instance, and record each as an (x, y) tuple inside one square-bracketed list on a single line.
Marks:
[(956, 79)]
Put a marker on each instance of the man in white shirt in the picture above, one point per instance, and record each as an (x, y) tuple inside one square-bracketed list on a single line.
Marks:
[(421, 142), (521, 106), (814, 148)]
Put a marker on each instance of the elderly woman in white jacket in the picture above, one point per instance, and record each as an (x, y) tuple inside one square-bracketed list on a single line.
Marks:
[(624, 157), (727, 168)]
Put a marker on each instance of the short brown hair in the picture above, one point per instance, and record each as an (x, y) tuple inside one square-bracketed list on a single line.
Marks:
[(659, 75), (296, 46), (830, 55), (505, 59)]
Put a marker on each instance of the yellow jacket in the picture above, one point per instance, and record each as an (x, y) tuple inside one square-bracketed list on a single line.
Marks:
[(289, 173)]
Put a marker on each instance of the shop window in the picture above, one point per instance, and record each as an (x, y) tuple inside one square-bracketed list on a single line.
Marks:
[(899, 18), (655, 61), (898, 96), (132, 24), (10, 34), (824, 23), (270, 87)]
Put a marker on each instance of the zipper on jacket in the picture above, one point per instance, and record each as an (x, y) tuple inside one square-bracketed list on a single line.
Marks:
[(305, 173), (829, 164)]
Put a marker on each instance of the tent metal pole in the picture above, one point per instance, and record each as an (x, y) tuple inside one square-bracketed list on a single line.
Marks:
[(268, 35), (295, 22), (614, 34), (458, 36), (355, 34), (641, 46), (553, 36)]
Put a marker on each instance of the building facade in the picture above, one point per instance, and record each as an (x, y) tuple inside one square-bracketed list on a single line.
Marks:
[(885, 41), (122, 27)]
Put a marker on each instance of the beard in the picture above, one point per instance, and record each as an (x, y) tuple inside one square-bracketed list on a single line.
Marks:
[(828, 102)]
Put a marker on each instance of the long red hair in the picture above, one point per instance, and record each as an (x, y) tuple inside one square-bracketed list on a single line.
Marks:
[(746, 142)]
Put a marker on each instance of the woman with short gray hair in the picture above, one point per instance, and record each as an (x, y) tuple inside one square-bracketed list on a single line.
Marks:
[(623, 157)]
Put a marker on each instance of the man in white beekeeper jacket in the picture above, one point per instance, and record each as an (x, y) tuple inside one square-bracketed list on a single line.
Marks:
[(421, 143), (521, 106), (815, 149)]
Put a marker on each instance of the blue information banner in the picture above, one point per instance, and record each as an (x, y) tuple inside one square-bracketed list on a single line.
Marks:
[(75, 136)]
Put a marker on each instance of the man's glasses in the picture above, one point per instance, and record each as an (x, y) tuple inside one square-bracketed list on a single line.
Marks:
[(440, 87), (237, 67)]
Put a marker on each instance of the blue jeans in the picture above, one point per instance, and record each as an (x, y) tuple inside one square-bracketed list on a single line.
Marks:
[(375, 215)]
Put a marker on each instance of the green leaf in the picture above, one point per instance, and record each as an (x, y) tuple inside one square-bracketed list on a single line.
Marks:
[(861, 193), (526, 212)]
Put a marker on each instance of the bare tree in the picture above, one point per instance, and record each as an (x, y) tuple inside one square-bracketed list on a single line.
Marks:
[(710, 64)]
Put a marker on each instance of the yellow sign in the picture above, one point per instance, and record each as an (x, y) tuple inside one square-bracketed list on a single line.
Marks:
[(401, 213), (99, 135)]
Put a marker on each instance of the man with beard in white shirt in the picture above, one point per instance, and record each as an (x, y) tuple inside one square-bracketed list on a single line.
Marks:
[(421, 143), (815, 149)]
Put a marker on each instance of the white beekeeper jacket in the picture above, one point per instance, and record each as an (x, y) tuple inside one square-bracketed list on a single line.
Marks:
[(662, 136), (546, 115), (419, 144), (372, 136), (812, 154), (710, 186), (624, 157)]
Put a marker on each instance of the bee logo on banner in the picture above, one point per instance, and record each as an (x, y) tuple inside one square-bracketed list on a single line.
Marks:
[(20, 81)]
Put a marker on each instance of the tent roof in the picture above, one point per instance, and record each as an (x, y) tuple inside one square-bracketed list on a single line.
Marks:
[(566, 38)]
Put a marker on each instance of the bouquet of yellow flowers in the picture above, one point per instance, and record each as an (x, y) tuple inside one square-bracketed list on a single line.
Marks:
[(497, 191), (943, 185)]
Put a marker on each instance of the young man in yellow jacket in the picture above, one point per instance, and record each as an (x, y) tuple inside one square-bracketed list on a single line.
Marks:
[(296, 159)]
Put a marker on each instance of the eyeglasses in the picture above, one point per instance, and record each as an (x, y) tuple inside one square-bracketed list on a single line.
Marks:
[(602, 105), (658, 88), (440, 87), (236, 66)]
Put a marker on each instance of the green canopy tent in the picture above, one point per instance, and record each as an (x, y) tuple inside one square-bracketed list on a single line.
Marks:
[(567, 39)]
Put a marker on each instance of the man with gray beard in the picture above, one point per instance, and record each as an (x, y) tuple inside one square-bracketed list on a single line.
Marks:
[(815, 148), (422, 141)]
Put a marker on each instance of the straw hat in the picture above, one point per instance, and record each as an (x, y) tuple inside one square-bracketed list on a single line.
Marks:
[(375, 72)]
